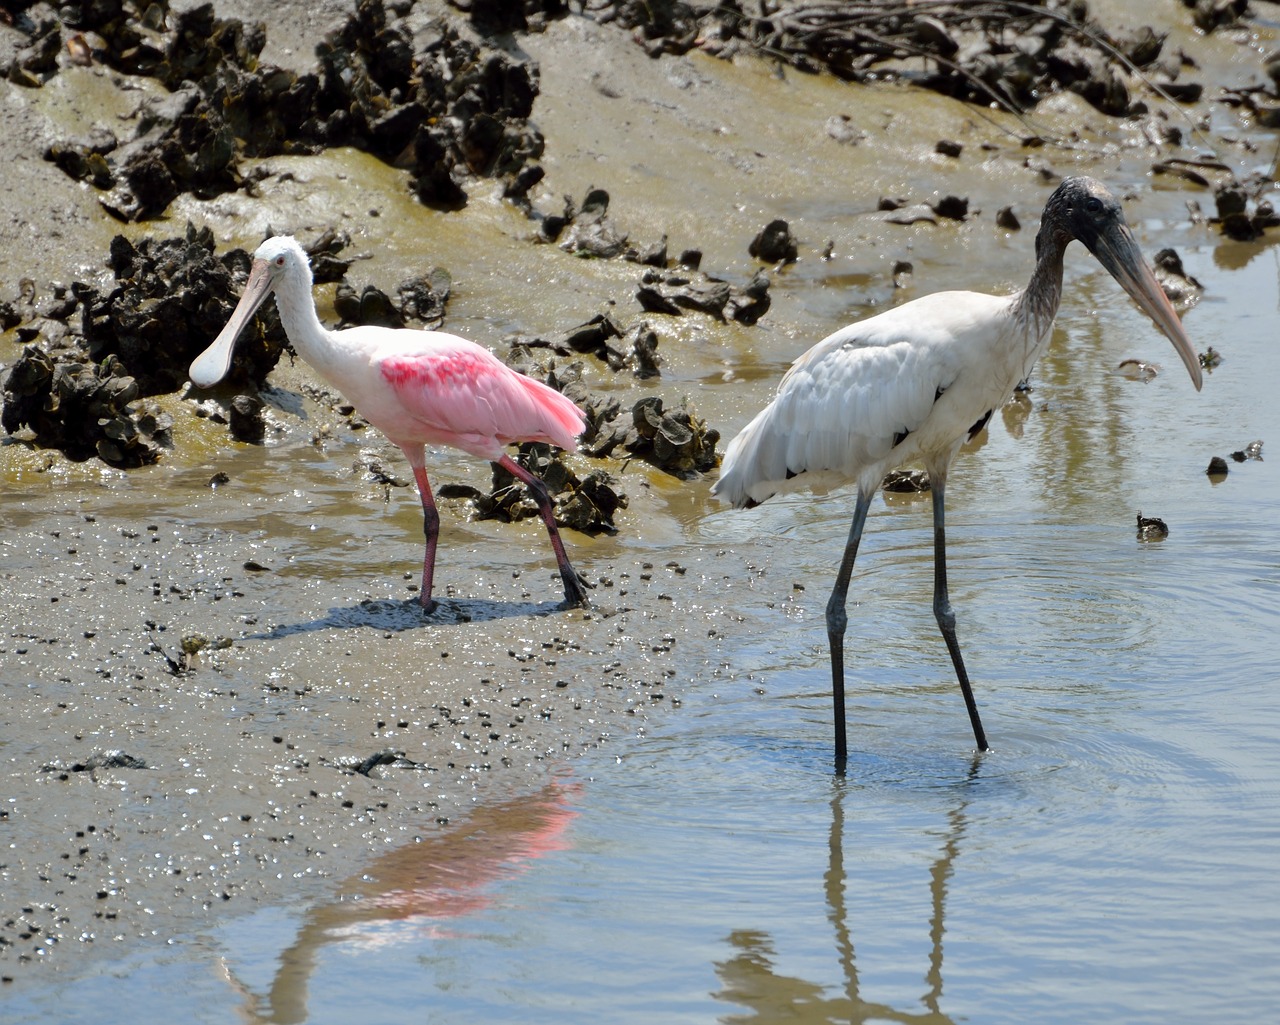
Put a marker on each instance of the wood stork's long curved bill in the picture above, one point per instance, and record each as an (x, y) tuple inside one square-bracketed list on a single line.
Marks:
[(1117, 251), (211, 366)]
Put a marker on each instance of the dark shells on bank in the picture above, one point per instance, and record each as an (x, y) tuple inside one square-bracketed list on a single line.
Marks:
[(453, 107)]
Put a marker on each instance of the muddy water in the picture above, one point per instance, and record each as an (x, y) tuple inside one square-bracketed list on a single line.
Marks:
[(675, 848)]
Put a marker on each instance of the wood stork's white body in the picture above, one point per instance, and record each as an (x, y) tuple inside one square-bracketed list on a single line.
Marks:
[(898, 387)]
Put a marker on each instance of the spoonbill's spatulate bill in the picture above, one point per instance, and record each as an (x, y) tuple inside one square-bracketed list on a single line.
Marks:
[(911, 384), (418, 387)]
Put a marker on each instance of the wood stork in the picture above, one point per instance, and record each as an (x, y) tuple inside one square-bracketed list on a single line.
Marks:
[(913, 383), (418, 387)]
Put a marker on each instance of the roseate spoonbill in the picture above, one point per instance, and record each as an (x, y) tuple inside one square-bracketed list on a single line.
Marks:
[(913, 383), (418, 387)]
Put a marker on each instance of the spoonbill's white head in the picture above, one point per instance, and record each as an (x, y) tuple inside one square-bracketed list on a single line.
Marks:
[(277, 260)]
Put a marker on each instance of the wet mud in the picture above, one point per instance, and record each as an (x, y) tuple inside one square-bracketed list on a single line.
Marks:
[(182, 738)]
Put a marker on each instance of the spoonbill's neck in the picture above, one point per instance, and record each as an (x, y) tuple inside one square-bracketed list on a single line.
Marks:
[(297, 309)]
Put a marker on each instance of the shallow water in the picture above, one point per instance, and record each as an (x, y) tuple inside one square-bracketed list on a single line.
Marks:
[(1112, 859)]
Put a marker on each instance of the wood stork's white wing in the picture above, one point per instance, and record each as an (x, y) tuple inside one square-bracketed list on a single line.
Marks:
[(850, 407)]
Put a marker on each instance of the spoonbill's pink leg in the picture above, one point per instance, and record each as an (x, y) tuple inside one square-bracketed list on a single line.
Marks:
[(575, 586), (431, 528)]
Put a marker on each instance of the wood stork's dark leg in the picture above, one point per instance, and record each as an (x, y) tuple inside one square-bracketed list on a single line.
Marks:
[(838, 620), (575, 585), (430, 530), (942, 610)]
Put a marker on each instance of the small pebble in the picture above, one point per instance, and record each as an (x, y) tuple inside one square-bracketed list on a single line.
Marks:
[(1152, 528)]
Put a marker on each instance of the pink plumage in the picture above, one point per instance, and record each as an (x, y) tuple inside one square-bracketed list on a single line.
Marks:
[(467, 391)]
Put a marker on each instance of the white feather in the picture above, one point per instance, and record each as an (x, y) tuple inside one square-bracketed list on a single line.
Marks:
[(905, 384)]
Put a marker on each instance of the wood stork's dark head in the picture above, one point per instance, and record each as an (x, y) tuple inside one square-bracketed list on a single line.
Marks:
[(1085, 209)]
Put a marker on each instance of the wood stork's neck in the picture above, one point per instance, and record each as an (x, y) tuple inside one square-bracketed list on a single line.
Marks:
[(1038, 304), (298, 315)]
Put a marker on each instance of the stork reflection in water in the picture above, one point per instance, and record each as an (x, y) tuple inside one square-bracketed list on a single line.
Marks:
[(913, 383)]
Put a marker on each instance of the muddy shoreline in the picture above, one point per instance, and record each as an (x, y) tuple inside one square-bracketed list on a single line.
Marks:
[(150, 791)]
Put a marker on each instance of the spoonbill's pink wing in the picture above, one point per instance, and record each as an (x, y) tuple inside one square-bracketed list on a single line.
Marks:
[(468, 393)]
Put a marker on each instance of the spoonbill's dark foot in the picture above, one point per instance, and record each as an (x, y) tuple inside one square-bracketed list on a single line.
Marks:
[(575, 589), (429, 606)]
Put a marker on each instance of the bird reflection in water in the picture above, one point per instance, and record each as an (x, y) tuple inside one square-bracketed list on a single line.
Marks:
[(420, 890), (748, 977)]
